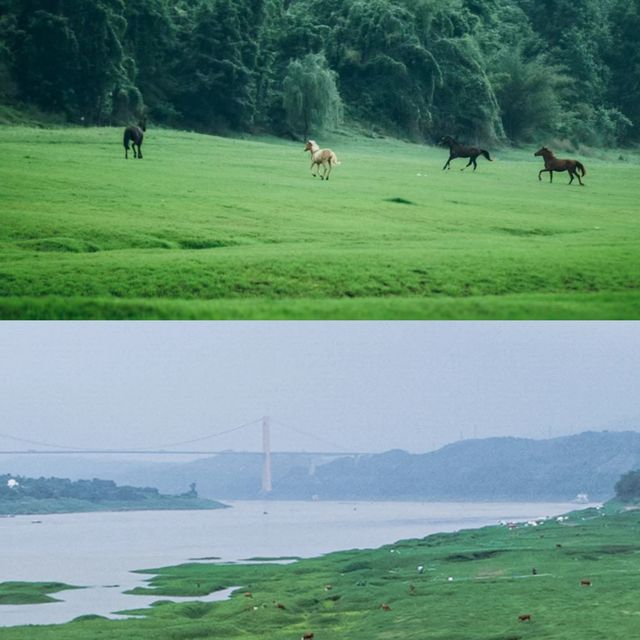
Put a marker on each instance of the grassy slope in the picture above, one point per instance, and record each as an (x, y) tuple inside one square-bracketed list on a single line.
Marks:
[(71, 505), (492, 585), (206, 227)]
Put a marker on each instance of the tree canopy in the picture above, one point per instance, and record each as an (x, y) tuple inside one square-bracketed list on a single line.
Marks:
[(510, 70), (628, 487)]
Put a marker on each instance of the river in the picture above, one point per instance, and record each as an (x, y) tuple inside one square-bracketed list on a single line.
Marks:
[(100, 550)]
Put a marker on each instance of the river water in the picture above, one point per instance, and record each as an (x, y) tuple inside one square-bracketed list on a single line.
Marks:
[(100, 550)]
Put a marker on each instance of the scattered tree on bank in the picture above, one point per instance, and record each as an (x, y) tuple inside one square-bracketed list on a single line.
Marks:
[(628, 487)]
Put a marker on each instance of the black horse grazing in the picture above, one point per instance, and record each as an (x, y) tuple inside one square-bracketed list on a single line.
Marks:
[(134, 135), (457, 150), (551, 164)]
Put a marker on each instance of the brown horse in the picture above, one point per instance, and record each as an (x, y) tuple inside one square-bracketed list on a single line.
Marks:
[(457, 150), (134, 135), (551, 164)]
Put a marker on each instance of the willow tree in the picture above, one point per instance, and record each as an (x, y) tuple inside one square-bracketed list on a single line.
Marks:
[(529, 93), (310, 96)]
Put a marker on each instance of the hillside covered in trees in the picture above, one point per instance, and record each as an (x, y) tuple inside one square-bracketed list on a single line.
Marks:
[(494, 70)]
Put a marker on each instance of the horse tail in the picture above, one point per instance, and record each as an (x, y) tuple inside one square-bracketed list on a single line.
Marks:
[(486, 155), (581, 167), (125, 138), (334, 159)]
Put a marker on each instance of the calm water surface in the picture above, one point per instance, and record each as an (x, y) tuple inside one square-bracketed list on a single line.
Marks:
[(100, 550)]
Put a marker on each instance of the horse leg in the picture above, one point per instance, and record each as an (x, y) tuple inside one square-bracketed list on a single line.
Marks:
[(550, 176), (446, 164), (468, 163), (139, 152), (540, 174), (475, 164), (312, 165), (571, 176)]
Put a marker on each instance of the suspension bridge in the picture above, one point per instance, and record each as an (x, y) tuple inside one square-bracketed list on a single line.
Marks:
[(179, 448)]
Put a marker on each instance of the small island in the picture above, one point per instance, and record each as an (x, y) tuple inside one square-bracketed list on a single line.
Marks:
[(31, 496)]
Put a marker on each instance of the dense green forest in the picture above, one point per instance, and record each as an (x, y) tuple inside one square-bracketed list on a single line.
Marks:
[(493, 70)]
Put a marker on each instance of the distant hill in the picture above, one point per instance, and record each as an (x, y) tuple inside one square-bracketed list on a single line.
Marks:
[(492, 469)]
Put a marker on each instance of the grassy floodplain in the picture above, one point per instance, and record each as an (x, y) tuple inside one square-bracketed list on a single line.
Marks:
[(30, 592), (475, 585), (212, 228)]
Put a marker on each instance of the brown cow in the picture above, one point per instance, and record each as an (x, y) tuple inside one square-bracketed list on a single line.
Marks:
[(385, 607), (307, 636), (524, 617)]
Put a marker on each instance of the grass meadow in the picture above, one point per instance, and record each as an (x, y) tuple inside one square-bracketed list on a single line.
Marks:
[(475, 585), (221, 228)]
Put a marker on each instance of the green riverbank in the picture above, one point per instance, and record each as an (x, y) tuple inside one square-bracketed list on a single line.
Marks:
[(30, 592), (20, 495), (576, 578), (34, 506)]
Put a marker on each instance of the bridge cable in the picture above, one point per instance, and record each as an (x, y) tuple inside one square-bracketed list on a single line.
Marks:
[(164, 446), (311, 435)]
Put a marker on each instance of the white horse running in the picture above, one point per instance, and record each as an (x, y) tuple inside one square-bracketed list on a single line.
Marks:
[(324, 157)]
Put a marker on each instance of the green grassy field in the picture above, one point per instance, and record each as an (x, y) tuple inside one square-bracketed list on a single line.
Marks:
[(475, 585), (208, 227)]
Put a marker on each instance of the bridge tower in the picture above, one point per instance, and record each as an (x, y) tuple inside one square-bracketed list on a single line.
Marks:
[(266, 451)]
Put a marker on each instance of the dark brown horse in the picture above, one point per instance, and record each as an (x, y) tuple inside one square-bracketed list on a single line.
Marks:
[(551, 164), (457, 150), (134, 135)]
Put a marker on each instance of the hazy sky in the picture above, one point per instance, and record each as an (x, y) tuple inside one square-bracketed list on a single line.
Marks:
[(350, 386)]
